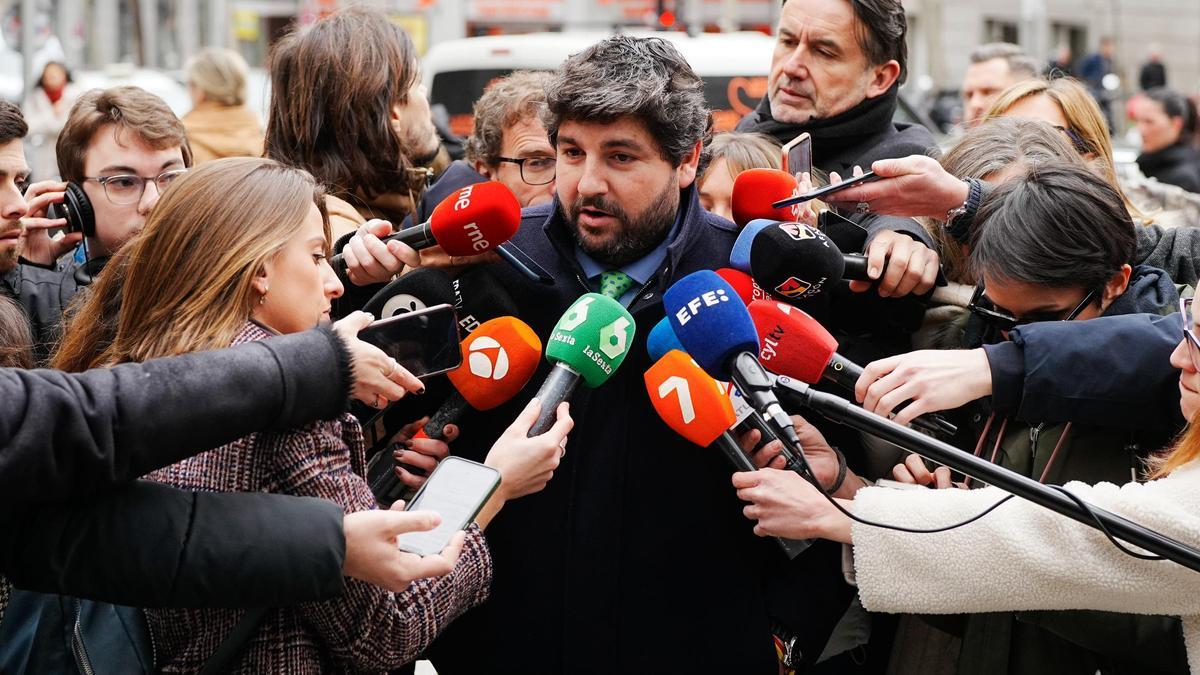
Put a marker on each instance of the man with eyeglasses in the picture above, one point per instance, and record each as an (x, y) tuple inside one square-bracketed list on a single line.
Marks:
[(119, 150)]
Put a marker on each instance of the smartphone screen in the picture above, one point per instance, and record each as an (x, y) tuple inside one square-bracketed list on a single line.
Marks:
[(797, 155), (425, 342), (456, 490), (828, 189)]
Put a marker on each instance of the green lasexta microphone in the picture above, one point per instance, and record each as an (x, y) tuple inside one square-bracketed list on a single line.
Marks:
[(589, 342)]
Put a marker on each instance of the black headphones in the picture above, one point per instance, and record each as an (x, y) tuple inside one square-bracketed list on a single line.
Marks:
[(77, 209)]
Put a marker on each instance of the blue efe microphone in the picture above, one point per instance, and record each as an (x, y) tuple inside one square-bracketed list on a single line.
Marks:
[(739, 257), (715, 327), (662, 339)]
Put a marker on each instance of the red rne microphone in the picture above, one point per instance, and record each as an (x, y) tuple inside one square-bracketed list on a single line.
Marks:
[(754, 190), (498, 360), (743, 284), (798, 346), (473, 220)]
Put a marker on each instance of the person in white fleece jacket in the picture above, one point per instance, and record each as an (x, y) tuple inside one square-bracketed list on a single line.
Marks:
[(1034, 558)]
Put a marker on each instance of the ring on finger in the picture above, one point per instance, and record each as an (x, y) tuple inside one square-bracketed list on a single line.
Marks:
[(862, 207), (380, 401)]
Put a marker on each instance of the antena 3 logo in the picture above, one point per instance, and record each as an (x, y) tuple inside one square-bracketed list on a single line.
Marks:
[(693, 306), (488, 367)]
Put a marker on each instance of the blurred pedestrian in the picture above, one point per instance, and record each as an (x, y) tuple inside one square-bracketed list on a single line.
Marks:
[(46, 112), (220, 124), (1062, 65), (1094, 69), (994, 67), (1166, 121), (1153, 74)]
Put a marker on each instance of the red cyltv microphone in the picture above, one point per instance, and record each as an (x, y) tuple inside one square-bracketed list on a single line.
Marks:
[(755, 189), (476, 219), (796, 345)]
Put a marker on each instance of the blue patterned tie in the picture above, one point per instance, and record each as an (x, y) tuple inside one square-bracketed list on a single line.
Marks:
[(614, 283)]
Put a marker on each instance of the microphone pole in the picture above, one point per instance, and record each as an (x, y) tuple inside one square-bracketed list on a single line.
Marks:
[(840, 410)]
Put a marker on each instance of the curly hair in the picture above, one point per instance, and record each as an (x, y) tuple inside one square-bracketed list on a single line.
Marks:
[(506, 101), (624, 76)]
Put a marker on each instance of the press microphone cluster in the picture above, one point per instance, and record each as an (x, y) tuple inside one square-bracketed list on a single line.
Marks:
[(476, 219), (755, 189)]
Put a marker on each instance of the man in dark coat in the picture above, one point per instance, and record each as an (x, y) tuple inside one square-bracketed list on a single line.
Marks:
[(636, 557)]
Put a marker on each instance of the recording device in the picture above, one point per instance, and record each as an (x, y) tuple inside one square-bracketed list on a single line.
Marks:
[(424, 342), (589, 342), (479, 297), (755, 189), (498, 360), (796, 156), (714, 326), (743, 284), (696, 407), (420, 289), (456, 490), (794, 261), (828, 189), (796, 345), (476, 219), (76, 208)]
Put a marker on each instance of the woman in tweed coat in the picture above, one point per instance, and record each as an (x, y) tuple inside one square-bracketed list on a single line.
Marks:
[(235, 252)]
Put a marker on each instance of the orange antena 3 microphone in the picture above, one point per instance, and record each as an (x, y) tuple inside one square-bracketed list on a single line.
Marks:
[(696, 407)]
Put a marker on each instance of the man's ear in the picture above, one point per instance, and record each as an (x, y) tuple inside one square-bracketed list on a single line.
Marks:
[(883, 77), (1116, 286), (484, 170), (686, 171)]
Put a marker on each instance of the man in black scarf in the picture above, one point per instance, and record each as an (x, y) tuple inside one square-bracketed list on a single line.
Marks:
[(835, 74)]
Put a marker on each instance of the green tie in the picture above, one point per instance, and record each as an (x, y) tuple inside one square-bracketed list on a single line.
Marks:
[(614, 283)]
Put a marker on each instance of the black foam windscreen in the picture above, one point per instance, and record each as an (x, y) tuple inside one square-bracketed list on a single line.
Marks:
[(421, 288), (479, 297), (793, 261)]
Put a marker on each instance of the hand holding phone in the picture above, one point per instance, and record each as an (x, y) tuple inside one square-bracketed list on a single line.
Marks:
[(424, 342), (828, 189), (456, 491)]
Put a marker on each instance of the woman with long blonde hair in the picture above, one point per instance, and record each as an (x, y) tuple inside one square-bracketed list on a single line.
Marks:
[(235, 252)]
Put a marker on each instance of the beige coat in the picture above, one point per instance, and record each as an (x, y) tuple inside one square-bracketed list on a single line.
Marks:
[(215, 131)]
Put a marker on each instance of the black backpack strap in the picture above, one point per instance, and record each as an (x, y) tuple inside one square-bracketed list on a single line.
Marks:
[(235, 642)]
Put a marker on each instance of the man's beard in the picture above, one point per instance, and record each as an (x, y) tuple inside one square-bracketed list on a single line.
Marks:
[(8, 259), (637, 237)]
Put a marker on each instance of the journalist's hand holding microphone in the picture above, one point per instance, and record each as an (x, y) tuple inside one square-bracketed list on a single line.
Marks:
[(420, 451), (932, 379), (526, 464), (822, 459), (787, 505), (370, 260)]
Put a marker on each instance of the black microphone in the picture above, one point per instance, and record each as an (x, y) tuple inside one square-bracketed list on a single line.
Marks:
[(479, 297), (422, 288)]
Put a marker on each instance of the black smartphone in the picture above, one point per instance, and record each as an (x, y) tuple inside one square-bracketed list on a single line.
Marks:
[(456, 490), (425, 342), (828, 189), (797, 155)]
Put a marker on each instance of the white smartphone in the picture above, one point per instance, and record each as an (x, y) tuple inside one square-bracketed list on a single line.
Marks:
[(456, 490)]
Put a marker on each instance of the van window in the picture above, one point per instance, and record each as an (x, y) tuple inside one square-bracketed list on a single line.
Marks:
[(730, 97)]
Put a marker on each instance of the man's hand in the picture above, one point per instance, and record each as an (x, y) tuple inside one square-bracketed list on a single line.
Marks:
[(39, 248), (911, 186), (369, 260), (372, 554), (822, 458), (422, 453), (786, 505), (902, 266), (914, 472), (933, 379)]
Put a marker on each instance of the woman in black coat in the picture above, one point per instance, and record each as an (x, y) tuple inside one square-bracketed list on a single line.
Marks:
[(1166, 121)]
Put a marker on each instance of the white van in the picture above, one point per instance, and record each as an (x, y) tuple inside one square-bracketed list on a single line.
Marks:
[(733, 66)]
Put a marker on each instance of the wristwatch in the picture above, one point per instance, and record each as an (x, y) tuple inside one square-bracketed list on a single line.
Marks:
[(959, 218)]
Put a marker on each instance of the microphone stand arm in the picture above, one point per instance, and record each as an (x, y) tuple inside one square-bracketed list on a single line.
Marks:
[(840, 410)]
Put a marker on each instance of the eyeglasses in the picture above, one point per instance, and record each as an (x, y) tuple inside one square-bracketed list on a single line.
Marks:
[(534, 170), (1076, 140), (128, 189), (1189, 335), (985, 309)]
